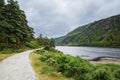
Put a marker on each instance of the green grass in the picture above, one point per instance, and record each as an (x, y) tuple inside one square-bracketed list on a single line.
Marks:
[(9, 52), (4, 56), (44, 71), (6, 53)]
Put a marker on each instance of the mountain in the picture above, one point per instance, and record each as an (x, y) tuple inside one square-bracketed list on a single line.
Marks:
[(104, 33), (58, 40)]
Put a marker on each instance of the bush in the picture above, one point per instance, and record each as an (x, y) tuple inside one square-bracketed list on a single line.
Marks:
[(2, 46), (78, 68), (70, 66), (8, 51), (45, 57), (101, 74), (33, 44), (42, 51), (48, 70), (47, 48), (117, 74)]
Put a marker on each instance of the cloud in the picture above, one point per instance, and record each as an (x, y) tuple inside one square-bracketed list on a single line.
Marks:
[(54, 18)]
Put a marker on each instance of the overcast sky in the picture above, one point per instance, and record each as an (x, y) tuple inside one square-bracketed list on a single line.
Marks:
[(54, 18)]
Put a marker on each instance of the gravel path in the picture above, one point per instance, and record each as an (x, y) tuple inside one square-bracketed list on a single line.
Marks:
[(17, 67)]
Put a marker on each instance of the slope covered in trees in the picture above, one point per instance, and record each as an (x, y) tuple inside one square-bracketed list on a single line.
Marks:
[(105, 33), (14, 30), (41, 41), (58, 40)]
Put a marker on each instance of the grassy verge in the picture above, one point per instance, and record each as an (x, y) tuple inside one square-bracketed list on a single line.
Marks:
[(4, 56), (9, 52), (53, 65), (44, 71)]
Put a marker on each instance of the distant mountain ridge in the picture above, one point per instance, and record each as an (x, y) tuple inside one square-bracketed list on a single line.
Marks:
[(104, 33), (58, 40)]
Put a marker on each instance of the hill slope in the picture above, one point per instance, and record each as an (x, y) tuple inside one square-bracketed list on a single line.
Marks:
[(58, 40), (105, 33)]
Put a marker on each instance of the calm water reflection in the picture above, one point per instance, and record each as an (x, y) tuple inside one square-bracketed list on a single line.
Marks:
[(90, 52)]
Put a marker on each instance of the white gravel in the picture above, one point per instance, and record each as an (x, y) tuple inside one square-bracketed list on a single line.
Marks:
[(17, 67)]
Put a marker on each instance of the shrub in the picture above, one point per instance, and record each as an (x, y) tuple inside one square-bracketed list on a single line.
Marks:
[(45, 57), (78, 68), (101, 74), (117, 74), (8, 51), (42, 51), (2, 46), (70, 66), (48, 70), (33, 44)]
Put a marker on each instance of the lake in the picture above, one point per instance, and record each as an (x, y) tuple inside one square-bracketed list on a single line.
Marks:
[(90, 52)]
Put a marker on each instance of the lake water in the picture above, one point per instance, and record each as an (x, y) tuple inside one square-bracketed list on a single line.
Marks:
[(90, 52)]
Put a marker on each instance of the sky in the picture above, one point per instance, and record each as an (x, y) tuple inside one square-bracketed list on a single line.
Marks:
[(55, 18)]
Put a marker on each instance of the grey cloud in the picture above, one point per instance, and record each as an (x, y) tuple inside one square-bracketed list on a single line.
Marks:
[(55, 18)]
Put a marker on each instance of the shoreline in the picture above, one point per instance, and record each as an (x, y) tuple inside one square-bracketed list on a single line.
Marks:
[(106, 60)]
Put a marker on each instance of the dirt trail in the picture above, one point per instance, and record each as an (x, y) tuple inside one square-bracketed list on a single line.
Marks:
[(17, 67)]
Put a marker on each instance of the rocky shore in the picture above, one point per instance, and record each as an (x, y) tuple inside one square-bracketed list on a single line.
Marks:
[(106, 60)]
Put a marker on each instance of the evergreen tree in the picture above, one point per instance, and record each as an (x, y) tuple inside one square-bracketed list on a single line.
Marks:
[(52, 42), (2, 4), (45, 41), (15, 32)]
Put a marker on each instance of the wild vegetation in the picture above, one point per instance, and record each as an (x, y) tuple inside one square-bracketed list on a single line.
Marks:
[(104, 33), (74, 68), (3, 56), (16, 35), (41, 41), (43, 70)]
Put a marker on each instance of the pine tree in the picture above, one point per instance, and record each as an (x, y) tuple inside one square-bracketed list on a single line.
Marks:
[(2, 4), (14, 29)]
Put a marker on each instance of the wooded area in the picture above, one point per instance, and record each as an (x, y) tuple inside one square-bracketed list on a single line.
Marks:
[(15, 33)]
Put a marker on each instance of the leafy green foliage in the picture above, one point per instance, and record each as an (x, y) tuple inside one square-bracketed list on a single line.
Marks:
[(101, 74), (40, 51), (105, 33), (33, 44), (14, 30), (47, 69), (117, 74), (58, 40), (45, 42), (76, 67)]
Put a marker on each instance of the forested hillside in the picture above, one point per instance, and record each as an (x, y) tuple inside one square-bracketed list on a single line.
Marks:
[(58, 40), (14, 30), (104, 33)]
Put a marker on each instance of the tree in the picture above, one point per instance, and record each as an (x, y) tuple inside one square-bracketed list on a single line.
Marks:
[(15, 32), (45, 41), (2, 4), (52, 42), (40, 40)]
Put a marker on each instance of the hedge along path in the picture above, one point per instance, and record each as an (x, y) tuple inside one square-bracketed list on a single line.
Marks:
[(17, 67)]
